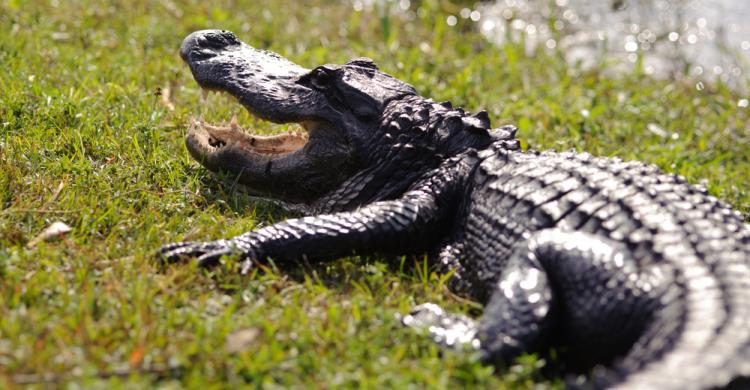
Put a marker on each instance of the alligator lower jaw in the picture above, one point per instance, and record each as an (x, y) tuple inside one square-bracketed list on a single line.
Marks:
[(204, 139)]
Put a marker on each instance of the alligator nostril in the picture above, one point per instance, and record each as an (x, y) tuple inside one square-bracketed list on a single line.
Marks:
[(231, 38), (200, 44), (219, 39)]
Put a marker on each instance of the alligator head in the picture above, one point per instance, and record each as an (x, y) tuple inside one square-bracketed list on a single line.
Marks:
[(353, 115)]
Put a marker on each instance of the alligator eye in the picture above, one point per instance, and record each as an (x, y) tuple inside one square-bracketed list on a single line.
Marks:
[(321, 79)]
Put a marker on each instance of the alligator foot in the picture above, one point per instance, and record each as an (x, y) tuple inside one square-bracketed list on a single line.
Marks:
[(206, 253), (449, 330)]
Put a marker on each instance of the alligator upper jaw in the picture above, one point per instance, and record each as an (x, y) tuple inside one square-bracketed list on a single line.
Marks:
[(265, 83)]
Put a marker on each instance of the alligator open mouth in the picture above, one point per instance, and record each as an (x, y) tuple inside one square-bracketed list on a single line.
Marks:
[(278, 165), (264, 164)]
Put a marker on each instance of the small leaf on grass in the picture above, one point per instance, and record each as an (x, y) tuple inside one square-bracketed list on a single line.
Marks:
[(656, 129), (55, 230), (241, 340)]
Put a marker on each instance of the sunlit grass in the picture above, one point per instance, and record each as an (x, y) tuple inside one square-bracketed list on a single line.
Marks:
[(86, 139)]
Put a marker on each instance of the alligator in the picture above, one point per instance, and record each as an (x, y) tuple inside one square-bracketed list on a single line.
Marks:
[(638, 278)]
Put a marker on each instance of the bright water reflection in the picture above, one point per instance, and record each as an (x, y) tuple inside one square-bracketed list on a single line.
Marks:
[(705, 38), (673, 38)]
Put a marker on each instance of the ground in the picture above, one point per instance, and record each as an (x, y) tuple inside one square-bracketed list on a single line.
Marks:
[(93, 106)]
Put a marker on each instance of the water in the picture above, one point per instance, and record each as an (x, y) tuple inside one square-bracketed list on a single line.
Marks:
[(673, 38), (700, 39)]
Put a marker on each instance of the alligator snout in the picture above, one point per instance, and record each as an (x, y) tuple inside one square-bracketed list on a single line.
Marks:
[(204, 44)]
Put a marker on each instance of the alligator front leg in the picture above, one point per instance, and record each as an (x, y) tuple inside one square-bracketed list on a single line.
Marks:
[(402, 226), (411, 224)]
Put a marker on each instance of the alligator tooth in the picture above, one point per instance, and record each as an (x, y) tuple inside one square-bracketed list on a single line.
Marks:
[(204, 93), (233, 123)]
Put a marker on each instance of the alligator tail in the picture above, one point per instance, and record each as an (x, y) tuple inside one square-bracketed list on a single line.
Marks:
[(700, 338)]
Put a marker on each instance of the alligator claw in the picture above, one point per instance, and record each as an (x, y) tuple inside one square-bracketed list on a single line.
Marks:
[(211, 258), (174, 246), (207, 253), (177, 251)]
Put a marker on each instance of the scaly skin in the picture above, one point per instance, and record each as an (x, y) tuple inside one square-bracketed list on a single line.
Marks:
[(630, 272)]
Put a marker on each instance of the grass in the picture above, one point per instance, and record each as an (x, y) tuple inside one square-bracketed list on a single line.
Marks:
[(86, 139)]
